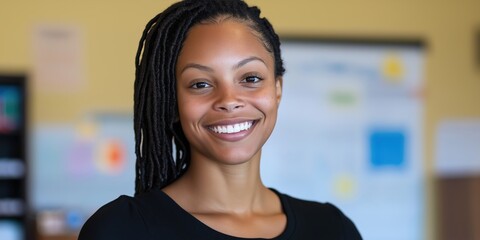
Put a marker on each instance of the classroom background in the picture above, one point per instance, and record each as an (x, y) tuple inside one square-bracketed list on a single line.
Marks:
[(380, 113)]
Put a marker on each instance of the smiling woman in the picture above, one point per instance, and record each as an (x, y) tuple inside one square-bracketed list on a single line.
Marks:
[(235, 86), (207, 90)]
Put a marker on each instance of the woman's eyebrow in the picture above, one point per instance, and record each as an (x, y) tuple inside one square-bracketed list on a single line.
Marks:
[(197, 66), (209, 69), (247, 60)]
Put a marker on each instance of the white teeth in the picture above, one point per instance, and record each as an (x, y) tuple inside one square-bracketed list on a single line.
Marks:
[(235, 128)]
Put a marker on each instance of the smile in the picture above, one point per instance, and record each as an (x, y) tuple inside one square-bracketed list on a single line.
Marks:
[(234, 128)]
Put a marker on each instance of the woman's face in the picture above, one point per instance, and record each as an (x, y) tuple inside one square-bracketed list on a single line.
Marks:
[(226, 91)]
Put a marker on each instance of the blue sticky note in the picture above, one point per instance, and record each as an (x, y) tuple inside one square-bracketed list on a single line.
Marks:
[(387, 148)]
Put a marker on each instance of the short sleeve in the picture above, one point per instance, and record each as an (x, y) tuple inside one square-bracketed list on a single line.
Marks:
[(118, 220), (348, 228)]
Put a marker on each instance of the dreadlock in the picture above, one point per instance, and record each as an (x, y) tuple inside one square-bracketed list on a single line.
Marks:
[(162, 150)]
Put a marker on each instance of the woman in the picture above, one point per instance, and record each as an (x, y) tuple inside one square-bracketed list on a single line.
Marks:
[(207, 89)]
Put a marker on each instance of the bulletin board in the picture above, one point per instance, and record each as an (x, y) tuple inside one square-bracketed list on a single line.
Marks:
[(79, 166), (349, 132)]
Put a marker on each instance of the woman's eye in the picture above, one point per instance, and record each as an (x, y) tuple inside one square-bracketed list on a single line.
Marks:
[(252, 79), (199, 85)]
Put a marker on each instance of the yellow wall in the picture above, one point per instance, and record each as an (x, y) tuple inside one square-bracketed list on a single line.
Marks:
[(111, 31)]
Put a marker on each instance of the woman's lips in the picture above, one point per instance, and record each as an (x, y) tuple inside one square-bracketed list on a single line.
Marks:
[(232, 131), (231, 128)]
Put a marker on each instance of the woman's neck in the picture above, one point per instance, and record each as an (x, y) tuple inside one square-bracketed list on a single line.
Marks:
[(210, 186)]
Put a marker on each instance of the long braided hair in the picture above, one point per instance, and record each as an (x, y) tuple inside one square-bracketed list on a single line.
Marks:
[(161, 148)]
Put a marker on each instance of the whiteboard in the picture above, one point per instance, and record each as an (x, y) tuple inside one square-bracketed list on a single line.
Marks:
[(349, 132)]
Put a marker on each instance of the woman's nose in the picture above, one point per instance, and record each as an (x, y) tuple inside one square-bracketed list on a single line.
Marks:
[(228, 100)]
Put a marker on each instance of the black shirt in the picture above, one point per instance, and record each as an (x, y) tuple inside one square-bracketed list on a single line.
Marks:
[(154, 215)]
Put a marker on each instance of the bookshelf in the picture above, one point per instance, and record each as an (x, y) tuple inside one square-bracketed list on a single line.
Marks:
[(13, 160)]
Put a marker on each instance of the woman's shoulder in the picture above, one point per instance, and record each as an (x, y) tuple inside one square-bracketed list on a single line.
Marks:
[(118, 219), (128, 217), (306, 207), (321, 218), (312, 208)]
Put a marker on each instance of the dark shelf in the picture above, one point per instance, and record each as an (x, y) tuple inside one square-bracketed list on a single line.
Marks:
[(12, 168), (13, 164)]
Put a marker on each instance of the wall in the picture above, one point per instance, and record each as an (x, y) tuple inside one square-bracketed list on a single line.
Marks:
[(111, 30)]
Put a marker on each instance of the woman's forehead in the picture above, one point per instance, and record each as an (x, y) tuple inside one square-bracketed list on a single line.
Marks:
[(225, 37)]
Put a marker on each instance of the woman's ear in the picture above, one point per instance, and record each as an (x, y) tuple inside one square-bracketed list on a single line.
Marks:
[(278, 88)]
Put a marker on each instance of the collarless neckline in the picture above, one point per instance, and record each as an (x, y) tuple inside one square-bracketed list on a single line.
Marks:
[(287, 231)]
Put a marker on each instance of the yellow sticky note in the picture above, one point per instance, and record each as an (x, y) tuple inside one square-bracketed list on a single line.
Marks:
[(393, 68), (345, 187), (86, 129)]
